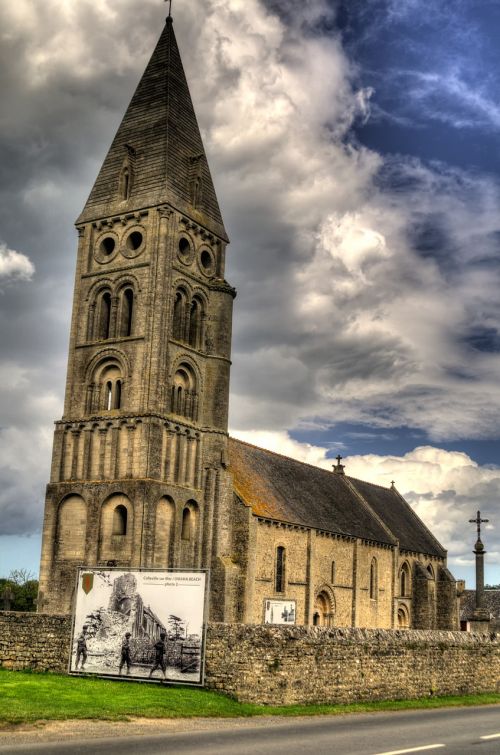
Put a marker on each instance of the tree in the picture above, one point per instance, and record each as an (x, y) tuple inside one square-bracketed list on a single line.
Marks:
[(176, 626), (19, 591), (21, 576)]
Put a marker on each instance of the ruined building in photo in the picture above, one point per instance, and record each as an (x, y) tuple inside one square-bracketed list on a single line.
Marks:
[(143, 472)]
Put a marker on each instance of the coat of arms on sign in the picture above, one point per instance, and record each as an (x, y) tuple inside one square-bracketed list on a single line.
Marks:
[(87, 583)]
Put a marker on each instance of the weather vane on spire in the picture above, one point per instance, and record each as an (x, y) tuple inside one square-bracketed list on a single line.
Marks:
[(169, 7)]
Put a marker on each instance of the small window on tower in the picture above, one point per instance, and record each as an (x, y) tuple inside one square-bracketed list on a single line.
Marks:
[(186, 525), (120, 520), (126, 183), (109, 395)]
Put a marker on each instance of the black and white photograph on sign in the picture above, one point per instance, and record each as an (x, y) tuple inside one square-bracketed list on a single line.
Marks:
[(142, 624), (279, 612)]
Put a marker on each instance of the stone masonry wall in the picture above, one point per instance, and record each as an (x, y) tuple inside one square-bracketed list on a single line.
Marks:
[(285, 665), (36, 641)]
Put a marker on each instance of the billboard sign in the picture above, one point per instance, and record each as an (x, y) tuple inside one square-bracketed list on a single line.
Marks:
[(140, 624)]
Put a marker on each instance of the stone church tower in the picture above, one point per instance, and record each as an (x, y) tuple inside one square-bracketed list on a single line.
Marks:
[(139, 462), (143, 472)]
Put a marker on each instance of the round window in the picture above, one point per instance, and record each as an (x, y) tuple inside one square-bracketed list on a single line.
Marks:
[(207, 262), (133, 243), (106, 248), (185, 250)]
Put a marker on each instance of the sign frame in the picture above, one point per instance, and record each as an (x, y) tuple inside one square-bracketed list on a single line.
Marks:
[(81, 570), (279, 603)]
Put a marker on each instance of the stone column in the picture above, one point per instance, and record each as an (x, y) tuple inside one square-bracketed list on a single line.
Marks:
[(480, 621), (90, 323), (74, 454), (102, 451), (113, 330), (130, 450), (87, 453)]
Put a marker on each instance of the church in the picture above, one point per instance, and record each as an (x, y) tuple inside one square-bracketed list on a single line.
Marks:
[(143, 471)]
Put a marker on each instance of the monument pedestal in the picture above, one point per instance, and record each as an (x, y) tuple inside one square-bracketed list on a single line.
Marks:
[(480, 621)]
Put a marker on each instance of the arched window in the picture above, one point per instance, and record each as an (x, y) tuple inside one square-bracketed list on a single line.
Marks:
[(126, 183), (109, 395), (179, 317), (333, 573), (112, 388), (404, 580), (196, 191), (116, 530), (184, 395), (373, 580), (126, 312), (104, 316), (280, 569), (186, 531), (430, 571), (120, 520), (195, 318), (118, 395)]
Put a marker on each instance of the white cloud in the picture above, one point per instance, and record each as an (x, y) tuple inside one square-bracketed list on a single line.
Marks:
[(14, 265), (282, 443)]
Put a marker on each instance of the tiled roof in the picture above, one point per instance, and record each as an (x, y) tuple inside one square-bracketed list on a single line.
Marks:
[(400, 518), (160, 126), (280, 488), (468, 603)]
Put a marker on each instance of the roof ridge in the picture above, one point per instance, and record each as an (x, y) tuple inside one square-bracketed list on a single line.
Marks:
[(421, 522), (305, 463), (366, 482), (282, 456), (366, 504)]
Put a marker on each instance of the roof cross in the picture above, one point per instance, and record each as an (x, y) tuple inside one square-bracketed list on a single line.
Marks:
[(478, 521)]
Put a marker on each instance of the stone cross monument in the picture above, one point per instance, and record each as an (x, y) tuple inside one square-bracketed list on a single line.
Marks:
[(481, 617)]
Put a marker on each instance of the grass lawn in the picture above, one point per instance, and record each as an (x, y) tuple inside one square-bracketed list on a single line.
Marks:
[(28, 697)]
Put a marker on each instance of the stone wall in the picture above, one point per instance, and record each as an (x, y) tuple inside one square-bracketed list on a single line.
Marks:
[(285, 665), (34, 641)]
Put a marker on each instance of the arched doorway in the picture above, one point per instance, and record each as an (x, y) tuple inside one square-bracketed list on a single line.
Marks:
[(403, 618), (324, 609)]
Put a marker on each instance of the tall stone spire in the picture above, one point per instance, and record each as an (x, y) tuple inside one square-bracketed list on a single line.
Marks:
[(159, 144), (138, 469)]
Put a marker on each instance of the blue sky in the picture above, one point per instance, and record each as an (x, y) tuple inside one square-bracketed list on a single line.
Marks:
[(355, 151)]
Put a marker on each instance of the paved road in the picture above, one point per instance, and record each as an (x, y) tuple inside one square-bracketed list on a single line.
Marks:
[(462, 731)]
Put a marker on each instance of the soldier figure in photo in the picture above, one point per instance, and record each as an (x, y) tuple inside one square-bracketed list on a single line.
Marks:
[(160, 660), (125, 653), (81, 649)]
